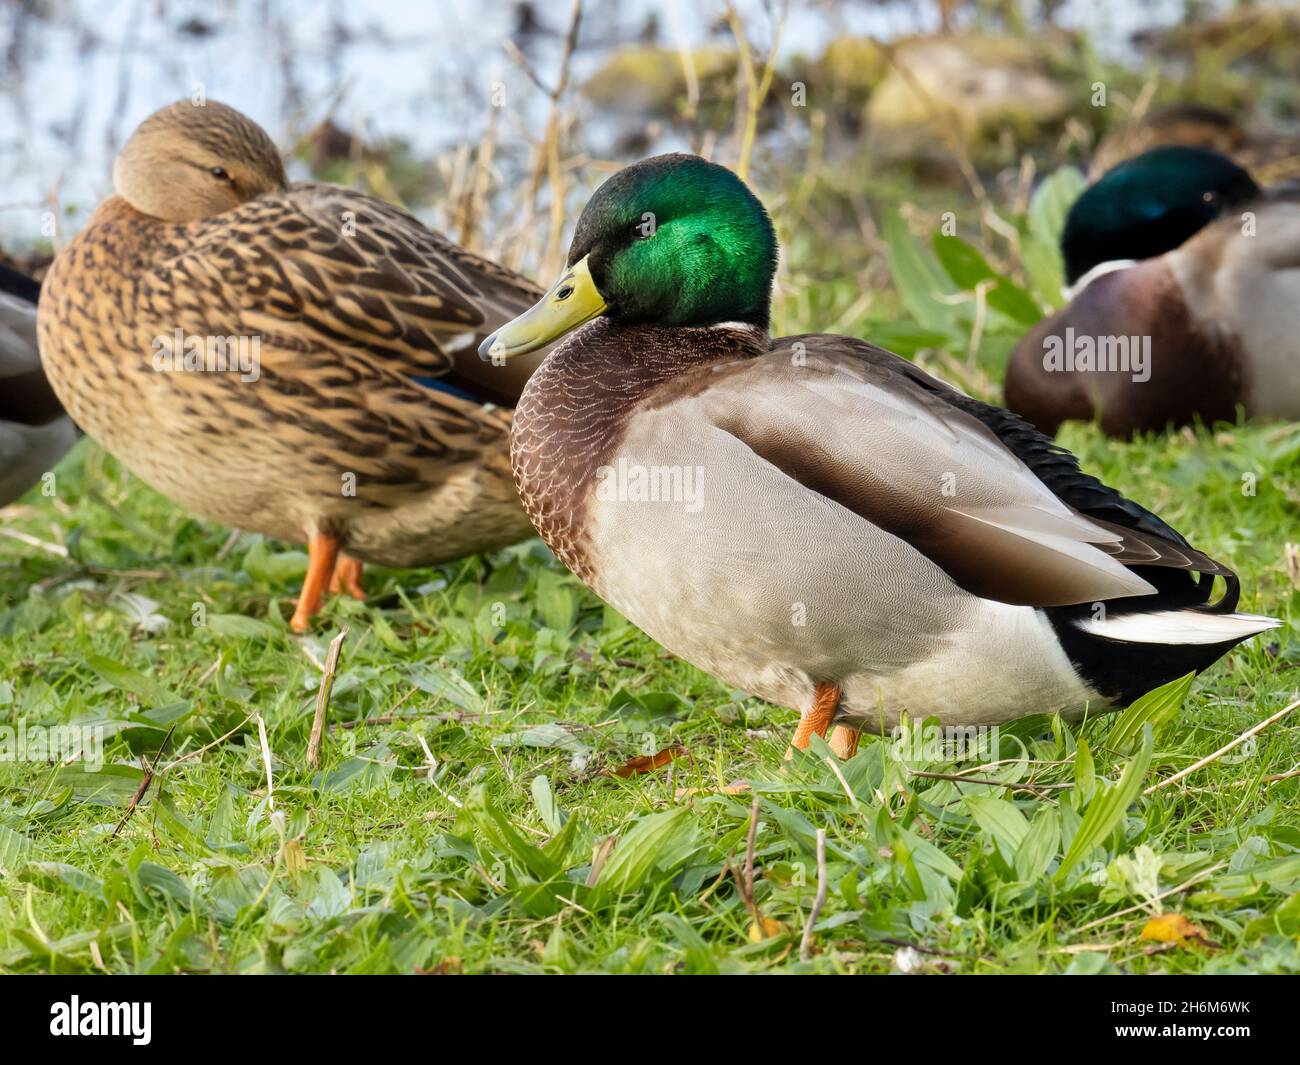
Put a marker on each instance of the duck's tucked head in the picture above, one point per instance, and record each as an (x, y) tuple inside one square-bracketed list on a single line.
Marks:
[(1149, 205), (673, 240), (192, 161)]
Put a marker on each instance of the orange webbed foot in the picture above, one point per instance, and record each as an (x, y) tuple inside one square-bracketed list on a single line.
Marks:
[(322, 554), (826, 699), (347, 578)]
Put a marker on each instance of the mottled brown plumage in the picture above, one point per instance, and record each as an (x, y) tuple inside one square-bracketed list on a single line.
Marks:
[(349, 300)]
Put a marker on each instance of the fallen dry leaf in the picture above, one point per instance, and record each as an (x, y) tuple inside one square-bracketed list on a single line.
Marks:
[(765, 928), (648, 763), (1174, 928), (449, 966)]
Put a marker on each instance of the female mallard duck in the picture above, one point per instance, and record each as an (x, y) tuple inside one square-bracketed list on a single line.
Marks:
[(1185, 281), (34, 431), (815, 520), (296, 360)]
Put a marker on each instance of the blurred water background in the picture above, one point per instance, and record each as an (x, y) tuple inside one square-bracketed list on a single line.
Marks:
[(417, 79)]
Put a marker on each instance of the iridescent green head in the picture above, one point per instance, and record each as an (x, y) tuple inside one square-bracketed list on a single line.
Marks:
[(1149, 205), (673, 240), (677, 240)]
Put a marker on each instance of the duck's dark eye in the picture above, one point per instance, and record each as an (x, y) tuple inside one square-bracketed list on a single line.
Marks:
[(219, 172), (564, 293)]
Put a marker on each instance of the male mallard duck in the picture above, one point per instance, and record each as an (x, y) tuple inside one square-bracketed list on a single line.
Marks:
[(1185, 281), (34, 431), (813, 519), (296, 360)]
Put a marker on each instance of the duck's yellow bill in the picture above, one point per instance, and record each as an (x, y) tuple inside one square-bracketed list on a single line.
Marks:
[(572, 300)]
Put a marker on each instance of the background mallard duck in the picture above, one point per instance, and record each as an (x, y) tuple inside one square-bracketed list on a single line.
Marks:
[(1272, 156), (358, 420), (1179, 256), (866, 541), (34, 431), (1149, 205)]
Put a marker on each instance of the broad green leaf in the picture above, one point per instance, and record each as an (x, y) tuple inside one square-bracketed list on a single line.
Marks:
[(15, 849), (556, 600), (928, 855), (1039, 846), (968, 268), (362, 773), (905, 338), (242, 626), (659, 842), (698, 954), (1040, 238), (1000, 820), (1283, 921), (643, 711), (1085, 773), (544, 799), (1281, 874), (557, 848), (180, 828), (54, 873), (274, 569), (1107, 807), (150, 877), (329, 896), (130, 680), (110, 785), (70, 952), (1090, 963), (1045, 270), (1051, 203), (1154, 709), (550, 734), (447, 683), (964, 264), (502, 837), (163, 717), (918, 278), (376, 866)]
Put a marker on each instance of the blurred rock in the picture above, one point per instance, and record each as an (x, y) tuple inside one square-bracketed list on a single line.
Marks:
[(977, 87), (843, 79), (651, 83)]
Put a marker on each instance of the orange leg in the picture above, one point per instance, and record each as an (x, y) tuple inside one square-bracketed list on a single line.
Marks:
[(826, 697), (322, 553), (347, 578), (844, 742)]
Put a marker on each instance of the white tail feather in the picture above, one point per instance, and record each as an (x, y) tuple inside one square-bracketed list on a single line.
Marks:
[(1175, 627)]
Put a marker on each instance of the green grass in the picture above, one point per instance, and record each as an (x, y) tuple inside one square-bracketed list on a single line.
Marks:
[(455, 822), (462, 835)]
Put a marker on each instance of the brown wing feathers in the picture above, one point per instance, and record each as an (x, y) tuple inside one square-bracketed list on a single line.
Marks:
[(368, 281), (979, 555)]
